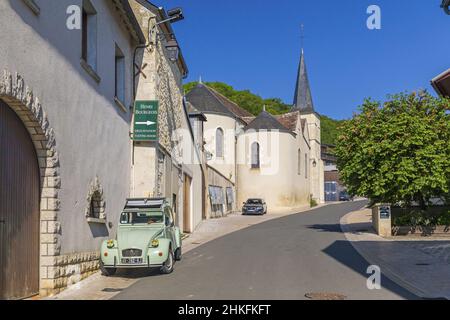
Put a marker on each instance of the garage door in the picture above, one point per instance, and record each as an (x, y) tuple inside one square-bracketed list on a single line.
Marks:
[(19, 209)]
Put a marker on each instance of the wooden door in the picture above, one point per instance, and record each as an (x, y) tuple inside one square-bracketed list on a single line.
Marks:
[(19, 209), (187, 205)]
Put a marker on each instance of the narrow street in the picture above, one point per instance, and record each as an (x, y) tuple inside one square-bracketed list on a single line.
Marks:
[(284, 258)]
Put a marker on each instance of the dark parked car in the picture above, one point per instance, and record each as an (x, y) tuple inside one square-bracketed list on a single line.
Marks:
[(344, 196), (254, 206)]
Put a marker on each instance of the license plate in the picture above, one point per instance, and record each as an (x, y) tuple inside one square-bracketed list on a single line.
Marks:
[(132, 260)]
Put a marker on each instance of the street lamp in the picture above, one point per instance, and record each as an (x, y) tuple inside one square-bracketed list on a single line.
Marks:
[(446, 6), (173, 50), (175, 15)]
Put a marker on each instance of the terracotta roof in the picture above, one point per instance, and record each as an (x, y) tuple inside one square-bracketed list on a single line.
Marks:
[(289, 120), (247, 120)]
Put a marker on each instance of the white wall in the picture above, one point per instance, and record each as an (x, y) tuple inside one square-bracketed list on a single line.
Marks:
[(277, 181), (317, 172), (226, 164), (91, 130)]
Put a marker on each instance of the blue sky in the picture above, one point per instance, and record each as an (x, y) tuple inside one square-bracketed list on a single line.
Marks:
[(255, 45)]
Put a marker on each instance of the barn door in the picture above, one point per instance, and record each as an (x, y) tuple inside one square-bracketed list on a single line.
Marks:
[(19, 209)]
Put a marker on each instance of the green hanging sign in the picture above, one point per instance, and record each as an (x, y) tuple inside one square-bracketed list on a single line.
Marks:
[(146, 120)]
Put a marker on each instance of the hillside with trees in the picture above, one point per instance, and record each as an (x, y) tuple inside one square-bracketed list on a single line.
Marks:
[(253, 103)]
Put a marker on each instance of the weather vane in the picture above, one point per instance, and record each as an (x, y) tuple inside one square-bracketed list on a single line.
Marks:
[(302, 35)]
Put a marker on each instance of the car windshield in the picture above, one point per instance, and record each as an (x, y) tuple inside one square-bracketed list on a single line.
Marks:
[(141, 217), (344, 194), (254, 201)]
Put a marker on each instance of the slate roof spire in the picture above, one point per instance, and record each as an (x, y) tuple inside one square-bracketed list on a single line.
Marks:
[(303, 98)]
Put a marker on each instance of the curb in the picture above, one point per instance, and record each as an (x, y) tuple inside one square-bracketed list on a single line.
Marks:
[(386, 270)]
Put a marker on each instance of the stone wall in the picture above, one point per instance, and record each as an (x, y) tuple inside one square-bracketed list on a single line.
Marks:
[(65, 270)]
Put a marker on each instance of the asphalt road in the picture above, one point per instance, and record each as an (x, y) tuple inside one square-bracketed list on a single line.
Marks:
[(283, 258)]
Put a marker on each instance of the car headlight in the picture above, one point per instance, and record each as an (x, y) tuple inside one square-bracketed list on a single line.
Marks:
[(110, 244), (155, 243)]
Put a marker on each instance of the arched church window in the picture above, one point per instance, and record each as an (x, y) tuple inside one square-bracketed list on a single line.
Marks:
[(219, 143), (255, 156)]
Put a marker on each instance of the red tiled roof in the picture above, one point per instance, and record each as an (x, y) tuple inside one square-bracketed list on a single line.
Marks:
[(289, 120)]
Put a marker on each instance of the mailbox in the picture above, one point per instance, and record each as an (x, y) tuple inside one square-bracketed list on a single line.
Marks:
[(381, 219)]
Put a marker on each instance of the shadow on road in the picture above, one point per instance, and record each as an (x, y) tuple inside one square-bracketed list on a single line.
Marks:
[(343, 252), (336, 227), (137, 273)]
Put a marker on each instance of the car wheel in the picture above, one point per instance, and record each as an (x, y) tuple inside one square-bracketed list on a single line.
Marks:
[(168, 265), (108, 272), (178, 254)]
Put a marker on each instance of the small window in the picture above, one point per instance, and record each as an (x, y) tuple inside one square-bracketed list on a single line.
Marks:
[(89, 34), (95, 206), (255, 156), (120, 75), (219, 143)]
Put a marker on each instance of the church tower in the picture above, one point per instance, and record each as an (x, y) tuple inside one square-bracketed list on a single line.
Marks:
[(303, 103)]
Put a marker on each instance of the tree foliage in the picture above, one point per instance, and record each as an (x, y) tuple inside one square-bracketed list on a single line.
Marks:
[(329, 129), (398, 152), (245, 99)]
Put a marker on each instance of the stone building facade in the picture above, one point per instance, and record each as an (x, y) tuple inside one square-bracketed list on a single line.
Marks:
[(170, 167), (66, 99)]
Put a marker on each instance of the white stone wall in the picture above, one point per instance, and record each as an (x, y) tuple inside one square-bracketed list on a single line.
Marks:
[(278, 181), (76, 114), (155, 174), (317, 172), (226, 165)]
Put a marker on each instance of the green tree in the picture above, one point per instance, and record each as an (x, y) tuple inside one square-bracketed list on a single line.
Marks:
[(245, 99), (329, 129), (398, 152)]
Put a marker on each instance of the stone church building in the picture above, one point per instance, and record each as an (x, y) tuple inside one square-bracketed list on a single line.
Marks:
[(277, 158)]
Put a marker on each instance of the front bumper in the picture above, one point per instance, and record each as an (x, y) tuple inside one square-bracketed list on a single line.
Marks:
[(253, 212), (155, 258)]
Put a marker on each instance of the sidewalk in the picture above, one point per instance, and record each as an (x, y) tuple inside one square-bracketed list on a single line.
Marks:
[(422, 266), (98, 287)]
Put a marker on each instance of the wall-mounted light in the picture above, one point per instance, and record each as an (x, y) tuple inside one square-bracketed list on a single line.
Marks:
[(173, 50), (175, 14), (446, 6), (314, 163)]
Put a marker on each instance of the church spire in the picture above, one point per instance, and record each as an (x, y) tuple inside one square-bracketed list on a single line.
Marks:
[(303, 98)]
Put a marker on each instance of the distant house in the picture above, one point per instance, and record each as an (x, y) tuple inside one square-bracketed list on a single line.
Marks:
[(332, 183), (441, 83)]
